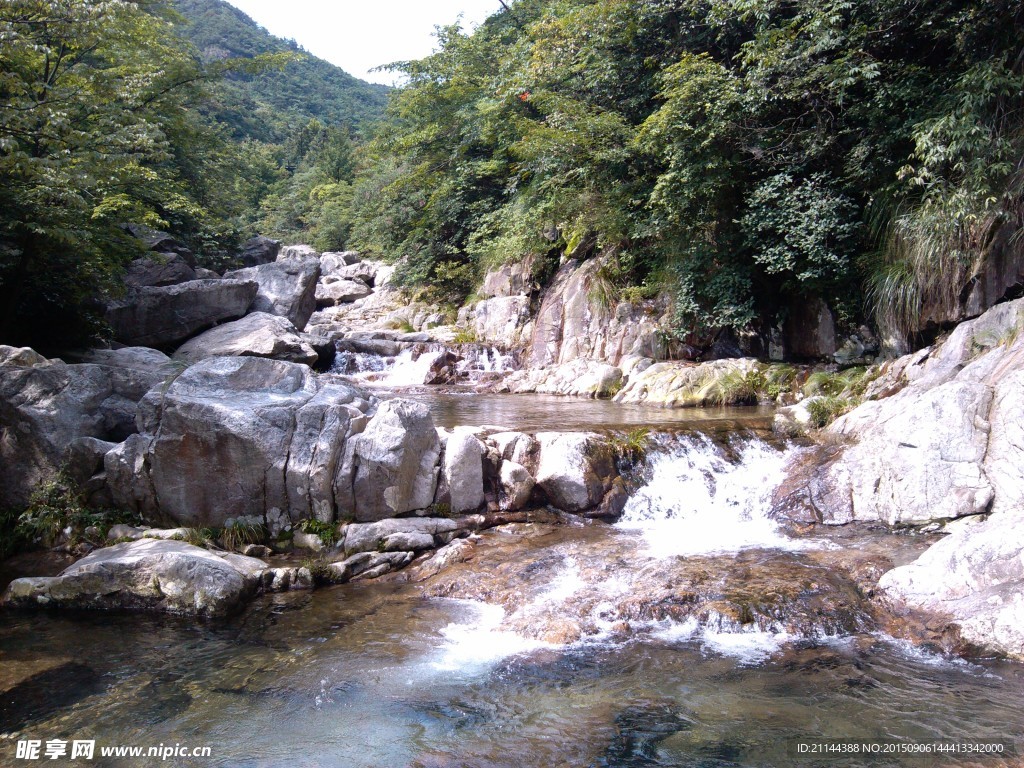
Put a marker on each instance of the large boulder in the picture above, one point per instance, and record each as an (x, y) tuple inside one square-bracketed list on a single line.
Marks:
[(286, 288), (168, 315), (580, 378), (394, 462), (679, 384), (148, 574), (159, 270), (943, 442), (47, 405), (973, 580), (577, 473), (334, 290), (238, 437), (463, 471), (256, 335), (161, 242), (259, 250)]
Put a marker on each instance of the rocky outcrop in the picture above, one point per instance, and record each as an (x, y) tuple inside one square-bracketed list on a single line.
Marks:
[(46, 406), (974, 580), (286, 288), (940, 444), (164, 316), (502, 320), (393, 462), (255, 335), (810, 331), (578, 318), (148, 574), (239, 438)]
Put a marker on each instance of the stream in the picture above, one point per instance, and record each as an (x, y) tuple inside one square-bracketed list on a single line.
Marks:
[(694, 632)]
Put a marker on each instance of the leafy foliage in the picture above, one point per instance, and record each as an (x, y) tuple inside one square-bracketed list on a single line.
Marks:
[(749, 155)]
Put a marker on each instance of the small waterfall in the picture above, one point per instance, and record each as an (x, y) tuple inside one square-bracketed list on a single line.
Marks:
[(411, 369), (478, 360), (702, 501)]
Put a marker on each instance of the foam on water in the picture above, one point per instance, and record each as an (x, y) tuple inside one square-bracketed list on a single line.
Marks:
[(478, 643), (700, 503)]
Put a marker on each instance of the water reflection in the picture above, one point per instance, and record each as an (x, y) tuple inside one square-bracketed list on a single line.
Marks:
[(537, 413)]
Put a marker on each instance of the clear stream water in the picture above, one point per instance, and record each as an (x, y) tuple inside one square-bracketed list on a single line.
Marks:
[(478, 668)]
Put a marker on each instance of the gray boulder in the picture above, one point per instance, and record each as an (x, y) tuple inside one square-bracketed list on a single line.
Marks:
[(148, 574), (394, 461), (159, 270), (256, 335), (516, 486), (972, 579), (286, 288), (577, 472), (301, 252), (168, 315), (941, 443), (238, 437), (463, 471), (400, 535), (333, 260), (47, 407), (259, 250), (336, 290), (364, 271)]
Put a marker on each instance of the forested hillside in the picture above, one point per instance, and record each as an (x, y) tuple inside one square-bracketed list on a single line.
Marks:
[(109, 115), (746, 157), (266, 106)]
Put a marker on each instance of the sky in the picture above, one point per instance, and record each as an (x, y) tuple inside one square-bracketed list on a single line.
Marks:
[(358, 35)]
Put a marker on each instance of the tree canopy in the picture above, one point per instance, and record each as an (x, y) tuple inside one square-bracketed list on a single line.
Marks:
[(745, 155)]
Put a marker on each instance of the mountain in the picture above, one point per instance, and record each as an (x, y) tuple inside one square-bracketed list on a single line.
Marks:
[(268, 106)]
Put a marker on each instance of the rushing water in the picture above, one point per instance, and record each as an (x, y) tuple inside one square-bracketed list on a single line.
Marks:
[(379, 676), (696, 632)]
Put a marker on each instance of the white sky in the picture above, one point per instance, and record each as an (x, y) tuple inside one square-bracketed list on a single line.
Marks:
[(358, 35)]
